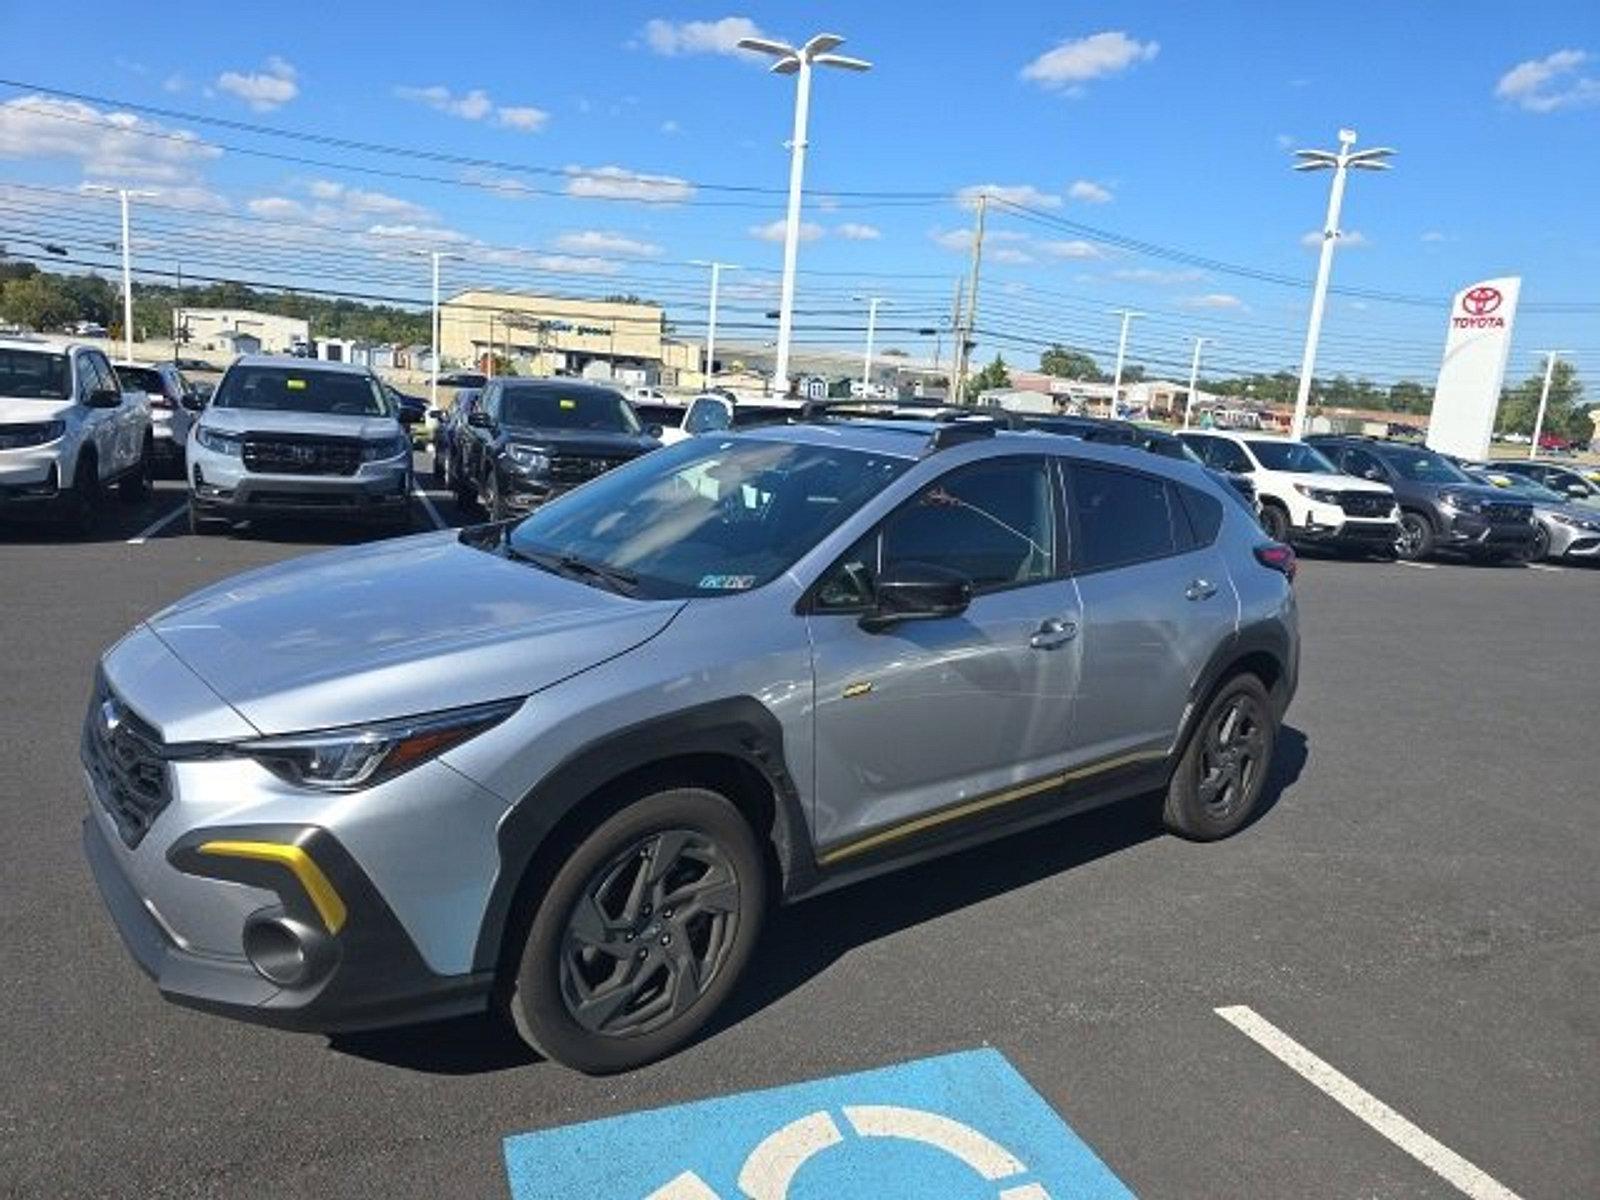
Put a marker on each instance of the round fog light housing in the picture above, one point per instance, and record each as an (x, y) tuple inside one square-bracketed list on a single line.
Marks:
[(285, 951)]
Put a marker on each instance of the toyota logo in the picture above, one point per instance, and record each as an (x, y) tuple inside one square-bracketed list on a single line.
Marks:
[(1480, 301)]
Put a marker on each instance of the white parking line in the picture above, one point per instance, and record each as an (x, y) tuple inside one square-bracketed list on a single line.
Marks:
[(157, 526), (1400, 562), (1431, 1153), (433, 513)]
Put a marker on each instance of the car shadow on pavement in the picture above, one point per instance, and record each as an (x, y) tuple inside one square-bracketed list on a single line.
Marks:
[(802, 941)]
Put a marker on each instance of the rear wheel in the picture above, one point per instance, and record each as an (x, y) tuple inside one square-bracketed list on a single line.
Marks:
[(1414, 539), (1276, 522), (1219, 779), (642, 934), (493, 502), (201, 524)]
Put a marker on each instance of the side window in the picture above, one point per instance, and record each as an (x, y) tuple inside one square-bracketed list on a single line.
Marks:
[(489, 400), (1230, 457), (706, 415), (993, 521), (1122, 517), (1203, 511), (104, 376), (88, 378), (1363, 465)]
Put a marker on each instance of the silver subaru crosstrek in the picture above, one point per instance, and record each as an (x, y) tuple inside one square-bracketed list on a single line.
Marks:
[(747, 668)]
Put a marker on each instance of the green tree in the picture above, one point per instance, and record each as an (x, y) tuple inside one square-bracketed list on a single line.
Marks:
[(1058, 360), (38, 302), (1566, 415), (994, 375)]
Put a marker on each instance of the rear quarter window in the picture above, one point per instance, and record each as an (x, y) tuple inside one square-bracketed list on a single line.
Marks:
[(1202, 511)]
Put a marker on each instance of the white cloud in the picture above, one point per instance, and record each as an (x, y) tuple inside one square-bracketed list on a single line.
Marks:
[(1553, 82), (1312, 239), (619, 183), (105, 144), (336, 206), (775, 231), (855, 231), (671, 127), (523, 118), (567, 264), (595, 241), (508, 187), (1217, 300), (673, 38), (1075, 62), (1284, 140), (1433, 235), (1010, 254), (1024, 194), (271, 87), (418, 233), (473, 106), (1089, 192), (1076, 248), (174, 83), (1151, 275), (278, 208), (961, 239)]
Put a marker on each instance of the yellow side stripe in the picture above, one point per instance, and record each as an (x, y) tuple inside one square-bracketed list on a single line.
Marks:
[(328, 904), (982, 804)]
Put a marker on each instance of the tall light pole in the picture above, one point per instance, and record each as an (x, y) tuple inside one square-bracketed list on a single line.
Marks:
[(793, 60), (717, 268), (1122, 353), (1544, 399), (872, 327), (437, 256), (125, 194), (1341, 162), (1194, 380)]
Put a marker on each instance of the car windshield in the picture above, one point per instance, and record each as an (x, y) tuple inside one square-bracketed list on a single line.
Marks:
[(706, 517), (145, 379), (669, 415), (593, 409), (288, 389), (1424, 466), (1523, 489), (1290, 456), (34, 375)]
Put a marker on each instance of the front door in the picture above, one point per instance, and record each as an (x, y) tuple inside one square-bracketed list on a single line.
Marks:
[(919, 723)]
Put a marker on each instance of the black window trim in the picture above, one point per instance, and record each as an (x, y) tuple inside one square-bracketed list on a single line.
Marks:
[(1181, 545)]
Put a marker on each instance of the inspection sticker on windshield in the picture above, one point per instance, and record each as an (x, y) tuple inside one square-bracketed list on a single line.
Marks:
[(295, 385), (960, 1127), (727, 583), (569, 403)]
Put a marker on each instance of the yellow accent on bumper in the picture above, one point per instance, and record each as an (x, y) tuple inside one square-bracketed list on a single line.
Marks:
[(328, 904)]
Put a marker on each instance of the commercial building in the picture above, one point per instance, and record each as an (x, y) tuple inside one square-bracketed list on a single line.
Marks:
[(222, 329), (623, 341)]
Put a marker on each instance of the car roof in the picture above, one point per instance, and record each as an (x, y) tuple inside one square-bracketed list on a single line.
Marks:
[(25, 342), (567, 387), (302, 365)]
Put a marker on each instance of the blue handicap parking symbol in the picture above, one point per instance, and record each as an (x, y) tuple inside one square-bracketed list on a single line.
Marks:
[(959, 1127)]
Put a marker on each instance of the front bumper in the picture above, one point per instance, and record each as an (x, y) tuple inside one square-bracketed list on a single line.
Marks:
[(1473, 532), (1351, 531), (30, 475), (221, 486)]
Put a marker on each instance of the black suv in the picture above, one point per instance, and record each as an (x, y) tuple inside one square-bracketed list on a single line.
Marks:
[(532, 439), (1441, 506)]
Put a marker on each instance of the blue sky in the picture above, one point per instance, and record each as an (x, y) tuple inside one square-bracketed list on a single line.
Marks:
[(1166, 123)]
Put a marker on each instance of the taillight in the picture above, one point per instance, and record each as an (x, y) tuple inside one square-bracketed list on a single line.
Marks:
[(1277, 557)]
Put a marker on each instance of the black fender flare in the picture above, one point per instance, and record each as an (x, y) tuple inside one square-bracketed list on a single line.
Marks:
[(1261, 639)]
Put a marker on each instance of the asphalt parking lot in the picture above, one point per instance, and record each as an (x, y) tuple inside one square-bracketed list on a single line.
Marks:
[(1417, 907)]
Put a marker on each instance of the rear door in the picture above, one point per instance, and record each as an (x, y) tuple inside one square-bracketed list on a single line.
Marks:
[(916, 722), (1157, 601)]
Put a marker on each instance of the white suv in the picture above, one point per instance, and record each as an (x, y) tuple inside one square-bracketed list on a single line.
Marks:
[(1304, 497), (68, 430)]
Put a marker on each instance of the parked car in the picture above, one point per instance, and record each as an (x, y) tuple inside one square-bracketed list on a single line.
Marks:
[(1563, 528), (1571, 480), (298, 438), (449, 427), (172, 405), (536, 438), (1441, 506), (718, 675), (1304, 497), (68, 431), (463, 379)]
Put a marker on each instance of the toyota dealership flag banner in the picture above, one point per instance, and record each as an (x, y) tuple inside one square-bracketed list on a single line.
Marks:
[(1476, 348)]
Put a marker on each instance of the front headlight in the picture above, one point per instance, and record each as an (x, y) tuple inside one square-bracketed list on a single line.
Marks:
[(37, 433), (528, 458), (1461, 502), (1587, 524), (222, 443), (344, 760), (389, 447), (1320, 495)]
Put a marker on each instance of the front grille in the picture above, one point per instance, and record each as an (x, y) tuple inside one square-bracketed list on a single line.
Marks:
[(1365, 504), (294, 454), (123, 757), (1507, 514), (577, 468)]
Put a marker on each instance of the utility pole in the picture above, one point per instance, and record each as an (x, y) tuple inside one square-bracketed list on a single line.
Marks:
[(964, 346), (1194, 380), (177, 317), (1122, 352), (1544, 399), (872, 326), (711, 315)]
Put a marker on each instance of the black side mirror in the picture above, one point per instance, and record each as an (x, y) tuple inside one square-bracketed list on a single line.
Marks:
[(438, 414), (654, 431), (480, 420), (105, 398), (915, 591)]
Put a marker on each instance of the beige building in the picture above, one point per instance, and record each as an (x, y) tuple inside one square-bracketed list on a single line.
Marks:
[(226, 329), (613, 340)]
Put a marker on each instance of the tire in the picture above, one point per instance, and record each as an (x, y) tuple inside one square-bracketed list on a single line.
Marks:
[(1540, 549), (135, 485), (85, 498), (440, 475), (466, 492), (1275, 521), (1414, 541), (1218, 781), (493, 503), (201, 525), (593, 927)]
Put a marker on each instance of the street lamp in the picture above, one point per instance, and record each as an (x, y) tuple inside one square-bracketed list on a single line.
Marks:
[(1122, 350), (797, 61), (1340, 162), (438, 256), (125, 194), (872, 325), (1194, 380), (711, 316), (1544, 399)]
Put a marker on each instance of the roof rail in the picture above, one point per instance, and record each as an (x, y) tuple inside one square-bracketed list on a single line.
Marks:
[(960, 430)]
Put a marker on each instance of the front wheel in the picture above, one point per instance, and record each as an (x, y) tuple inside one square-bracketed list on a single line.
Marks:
[(1414, 539), (642, 934), (135, 485), (493, 502), (1219, 779), (1540, 550), (1275, 521)]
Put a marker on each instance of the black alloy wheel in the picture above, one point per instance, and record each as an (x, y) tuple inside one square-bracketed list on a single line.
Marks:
[(1218, 781), (1540, 550)]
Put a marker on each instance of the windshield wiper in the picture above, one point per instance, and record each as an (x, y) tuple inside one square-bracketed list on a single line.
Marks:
[(617, 579)]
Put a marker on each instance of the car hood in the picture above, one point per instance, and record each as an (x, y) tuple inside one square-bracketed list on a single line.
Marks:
[(264, 420), (1573, 511), (396, 628), (580, 441), (14, 411), (1336, 483)]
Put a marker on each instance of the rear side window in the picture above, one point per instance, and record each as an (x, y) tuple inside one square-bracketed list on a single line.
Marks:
[(1123, 517), (1204, 513)]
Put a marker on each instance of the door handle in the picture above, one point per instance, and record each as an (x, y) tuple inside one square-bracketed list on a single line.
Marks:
[(1053, 633), (1200, 589)]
